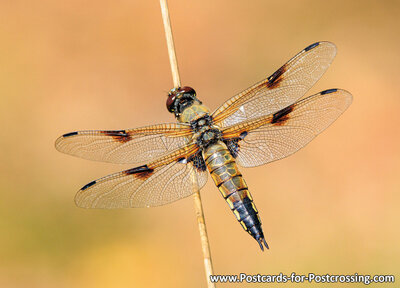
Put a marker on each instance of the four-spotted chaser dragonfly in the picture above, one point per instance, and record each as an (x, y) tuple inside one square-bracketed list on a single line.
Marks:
[(262, 124)]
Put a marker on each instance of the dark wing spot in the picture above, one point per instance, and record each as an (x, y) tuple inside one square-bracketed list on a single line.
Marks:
[(118, 135), (275, 79), (243, 134), (70, 134), (233, 146), (311, 46), (328, 91), (88, 185), (280, 117), (198, 162), (142, 172), (182, 160)]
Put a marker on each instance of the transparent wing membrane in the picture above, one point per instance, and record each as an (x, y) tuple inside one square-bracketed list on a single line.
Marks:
[(160, 182), (288, 84), (279, 135), (125, 146)]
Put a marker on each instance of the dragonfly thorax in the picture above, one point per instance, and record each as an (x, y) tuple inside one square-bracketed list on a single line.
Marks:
[(207, 136), (205, 133)]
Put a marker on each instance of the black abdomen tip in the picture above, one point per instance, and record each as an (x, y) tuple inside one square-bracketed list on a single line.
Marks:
[(262, 241)]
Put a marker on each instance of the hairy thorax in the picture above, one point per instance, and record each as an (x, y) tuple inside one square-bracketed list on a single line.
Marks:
[(205, 133), (193, 112)]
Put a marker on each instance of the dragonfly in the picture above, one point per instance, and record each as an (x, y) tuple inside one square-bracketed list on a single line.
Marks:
[(266, 122)]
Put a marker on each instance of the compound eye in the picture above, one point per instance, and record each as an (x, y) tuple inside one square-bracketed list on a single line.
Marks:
[(170, 102), (187, 90)]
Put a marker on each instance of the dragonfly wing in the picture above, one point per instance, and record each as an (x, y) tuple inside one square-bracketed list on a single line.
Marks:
[(269, 138), (125, 146), (162, 181), (284, 87)]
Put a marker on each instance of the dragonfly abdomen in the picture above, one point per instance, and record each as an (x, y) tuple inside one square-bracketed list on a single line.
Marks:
[(230, 182)]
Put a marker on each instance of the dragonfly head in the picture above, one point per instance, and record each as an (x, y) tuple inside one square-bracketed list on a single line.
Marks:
[(180, 98)]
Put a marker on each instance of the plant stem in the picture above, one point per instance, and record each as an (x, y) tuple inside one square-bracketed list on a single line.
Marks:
[(197, 199), (170, 43)]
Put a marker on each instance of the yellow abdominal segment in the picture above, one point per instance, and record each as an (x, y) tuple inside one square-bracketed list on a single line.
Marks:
[(228, 179)]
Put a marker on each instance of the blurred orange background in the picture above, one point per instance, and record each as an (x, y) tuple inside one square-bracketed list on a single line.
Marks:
[(331, 208)]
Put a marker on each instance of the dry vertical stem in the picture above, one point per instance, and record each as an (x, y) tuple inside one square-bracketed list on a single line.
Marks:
[(170, 43), (197, 199), (203, 237)]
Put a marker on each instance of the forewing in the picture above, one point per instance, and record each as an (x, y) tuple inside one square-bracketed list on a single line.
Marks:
[(165, 180), (125, 146), (269, 138), (284, 87)]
